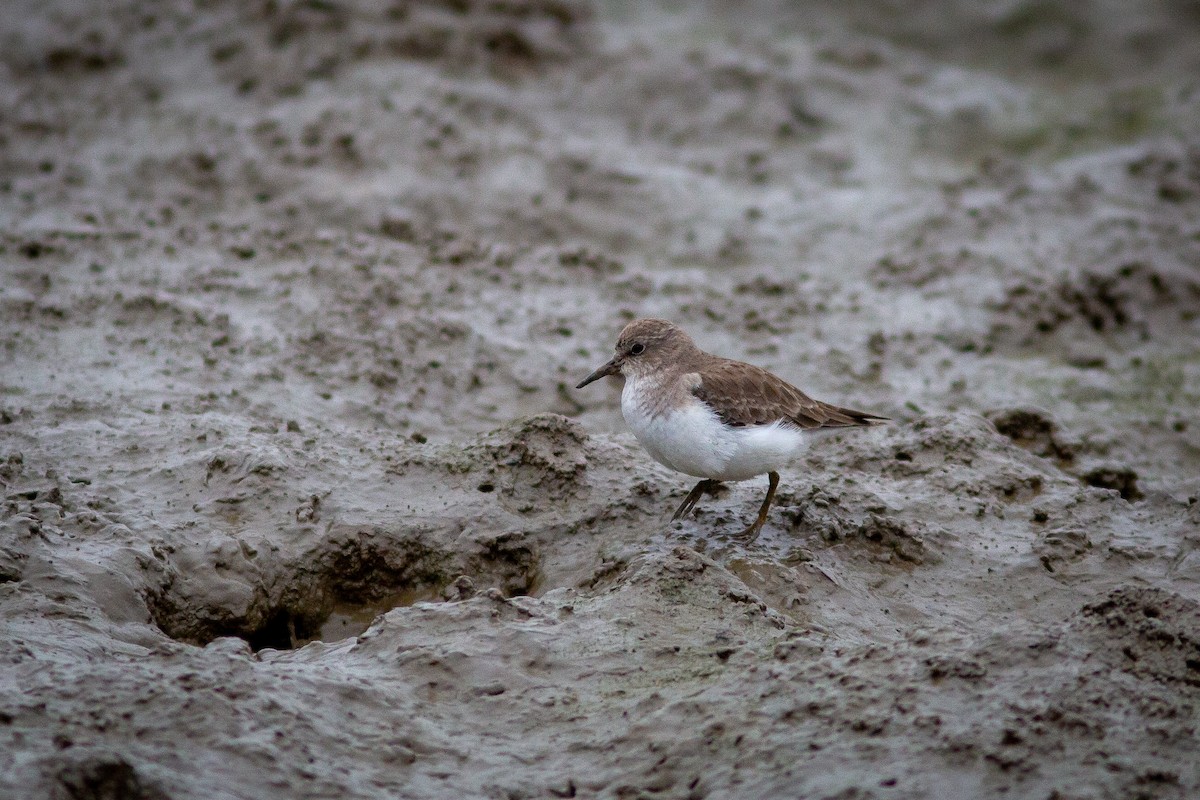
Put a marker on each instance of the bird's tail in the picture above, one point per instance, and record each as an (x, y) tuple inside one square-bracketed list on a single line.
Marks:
[(846, 417)]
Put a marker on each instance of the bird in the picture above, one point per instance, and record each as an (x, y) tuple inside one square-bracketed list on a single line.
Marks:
[(710, 417)]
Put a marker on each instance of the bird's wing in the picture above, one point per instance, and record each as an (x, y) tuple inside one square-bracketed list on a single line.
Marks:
[(743, 394)]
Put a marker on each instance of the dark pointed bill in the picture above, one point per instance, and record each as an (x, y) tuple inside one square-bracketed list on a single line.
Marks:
[(611, 368)]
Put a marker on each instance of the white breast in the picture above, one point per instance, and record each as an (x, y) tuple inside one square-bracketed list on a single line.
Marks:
[(691, 438)]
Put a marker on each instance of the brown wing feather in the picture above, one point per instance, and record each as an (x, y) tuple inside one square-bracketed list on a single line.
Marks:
[(743, 394)]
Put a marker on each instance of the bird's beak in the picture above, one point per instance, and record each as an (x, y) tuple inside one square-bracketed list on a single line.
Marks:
[(611, 368)]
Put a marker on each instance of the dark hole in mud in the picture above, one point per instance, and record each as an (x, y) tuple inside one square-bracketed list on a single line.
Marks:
[(351, 619), (486, 487), (1121, 479), (348, 614), (331, 595), (286, 630), (280, 632), (335, 591)]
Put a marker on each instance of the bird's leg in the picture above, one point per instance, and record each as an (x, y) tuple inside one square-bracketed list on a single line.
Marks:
[(693, 497), (752, 532)]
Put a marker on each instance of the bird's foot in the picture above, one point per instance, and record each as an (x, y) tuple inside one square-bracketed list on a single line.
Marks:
[(751, 533), (689, 502)]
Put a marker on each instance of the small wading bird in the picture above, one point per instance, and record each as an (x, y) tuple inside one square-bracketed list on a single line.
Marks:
[(712, 417)]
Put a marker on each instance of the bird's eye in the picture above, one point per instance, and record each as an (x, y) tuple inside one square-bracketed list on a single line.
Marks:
[(637, 349)]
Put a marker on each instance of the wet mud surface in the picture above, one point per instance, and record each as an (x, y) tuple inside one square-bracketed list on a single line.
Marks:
[(298, 500)]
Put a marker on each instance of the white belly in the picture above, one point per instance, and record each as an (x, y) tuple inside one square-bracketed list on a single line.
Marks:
[(692, 440)]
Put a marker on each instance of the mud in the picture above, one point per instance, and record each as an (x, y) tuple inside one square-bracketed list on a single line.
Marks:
[(298, 500)]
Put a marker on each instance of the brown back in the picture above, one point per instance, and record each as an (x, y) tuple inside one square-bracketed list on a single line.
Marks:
[(742, 394)]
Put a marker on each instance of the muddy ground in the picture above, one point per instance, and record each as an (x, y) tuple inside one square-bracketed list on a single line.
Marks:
[(298, 500)]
